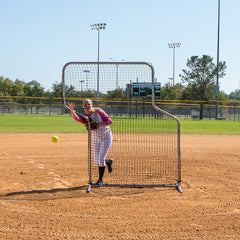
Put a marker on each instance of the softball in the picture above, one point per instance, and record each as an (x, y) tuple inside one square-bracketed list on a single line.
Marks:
[(55, 139)]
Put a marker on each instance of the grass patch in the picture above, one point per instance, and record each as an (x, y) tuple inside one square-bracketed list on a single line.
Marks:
[(39, 124), (65, 124), (210, 127)]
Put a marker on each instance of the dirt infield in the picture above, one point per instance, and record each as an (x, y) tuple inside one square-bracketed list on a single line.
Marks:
[(43, 193)]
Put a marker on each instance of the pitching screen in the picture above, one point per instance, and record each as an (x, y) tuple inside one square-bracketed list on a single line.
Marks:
[(146, 139)]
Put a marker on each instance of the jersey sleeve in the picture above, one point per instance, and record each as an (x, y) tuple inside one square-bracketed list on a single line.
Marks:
[(79, 119), (104, 116)]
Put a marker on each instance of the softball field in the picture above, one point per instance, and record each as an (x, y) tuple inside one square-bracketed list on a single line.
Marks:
[(43, 193)]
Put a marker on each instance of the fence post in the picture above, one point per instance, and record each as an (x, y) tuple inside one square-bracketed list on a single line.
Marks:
[(50, 105), (143, 108), (136, 113), (234, 112), (238, 114), (130, 101), (2, 103)]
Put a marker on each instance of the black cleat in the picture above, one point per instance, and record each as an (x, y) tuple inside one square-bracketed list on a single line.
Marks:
[(99, 182), (109, 163)]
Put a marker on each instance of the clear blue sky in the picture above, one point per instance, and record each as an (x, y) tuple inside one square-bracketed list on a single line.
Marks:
[(39, 36)]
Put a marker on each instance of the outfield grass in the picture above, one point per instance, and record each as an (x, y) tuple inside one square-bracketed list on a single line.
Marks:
[(210, 127), (65, 124), (39, 124)]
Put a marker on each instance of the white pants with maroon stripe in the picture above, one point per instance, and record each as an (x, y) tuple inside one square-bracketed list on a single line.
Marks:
[(102, 141)]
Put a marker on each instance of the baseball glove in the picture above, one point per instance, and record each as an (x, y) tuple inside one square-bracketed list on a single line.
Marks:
[(94, 124)]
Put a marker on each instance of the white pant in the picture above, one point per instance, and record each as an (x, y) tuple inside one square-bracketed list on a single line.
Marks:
[(101, 146)]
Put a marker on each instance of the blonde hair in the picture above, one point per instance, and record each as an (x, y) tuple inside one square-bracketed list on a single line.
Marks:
[(87, 100)]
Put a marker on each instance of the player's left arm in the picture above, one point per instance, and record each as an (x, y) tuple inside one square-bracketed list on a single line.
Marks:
[(106, 119)]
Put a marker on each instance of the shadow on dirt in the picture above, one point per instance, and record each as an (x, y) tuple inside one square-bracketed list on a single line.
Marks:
[(43, 194)]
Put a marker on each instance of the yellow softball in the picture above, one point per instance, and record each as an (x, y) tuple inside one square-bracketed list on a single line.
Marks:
[(55, 139)]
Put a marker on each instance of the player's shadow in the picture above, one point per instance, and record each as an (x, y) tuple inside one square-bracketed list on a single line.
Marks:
[(56, 193), (65, 193)]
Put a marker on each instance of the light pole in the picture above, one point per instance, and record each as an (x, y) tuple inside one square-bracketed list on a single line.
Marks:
[(116, 71), (173, 46), (171, 79), (81, 81), (87, 72), (217, 84), (98, 27)]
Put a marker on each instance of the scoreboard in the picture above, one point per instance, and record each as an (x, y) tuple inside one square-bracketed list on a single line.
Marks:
[(144, 89)]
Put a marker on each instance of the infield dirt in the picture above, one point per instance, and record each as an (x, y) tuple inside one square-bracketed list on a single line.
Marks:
[(43, 193)]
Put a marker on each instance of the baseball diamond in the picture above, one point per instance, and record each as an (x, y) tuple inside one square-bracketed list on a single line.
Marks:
[(43, 192)]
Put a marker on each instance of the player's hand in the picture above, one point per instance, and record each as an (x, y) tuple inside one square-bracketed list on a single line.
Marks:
[(71, 105)]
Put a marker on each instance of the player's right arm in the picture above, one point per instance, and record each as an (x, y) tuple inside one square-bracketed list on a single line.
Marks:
[(79, 118), (71, 107)]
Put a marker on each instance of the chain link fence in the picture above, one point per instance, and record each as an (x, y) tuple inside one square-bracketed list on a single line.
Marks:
[(227, 110)]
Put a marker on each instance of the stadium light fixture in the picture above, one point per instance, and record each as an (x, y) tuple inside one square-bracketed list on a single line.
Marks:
[(98, 27), (173, 46)]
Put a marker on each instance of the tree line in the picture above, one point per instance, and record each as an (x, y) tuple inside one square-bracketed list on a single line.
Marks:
[(198, 82)]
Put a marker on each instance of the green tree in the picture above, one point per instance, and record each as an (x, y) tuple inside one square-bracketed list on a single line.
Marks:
[(235, 95), (223, 96), (18, 88), (33, 89), (70, 92), (200, 78), (191, 92), (89, 94), (57, 90), (6, 86), (169, 92), (117, 93)]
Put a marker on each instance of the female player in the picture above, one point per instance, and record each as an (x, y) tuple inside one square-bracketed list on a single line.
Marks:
[(102, 136)]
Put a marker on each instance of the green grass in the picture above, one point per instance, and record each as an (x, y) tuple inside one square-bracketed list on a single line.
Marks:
[(210, 127), (65, 124), (39, 124)]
